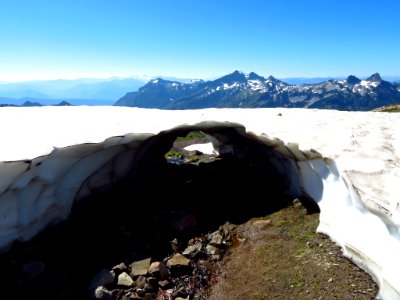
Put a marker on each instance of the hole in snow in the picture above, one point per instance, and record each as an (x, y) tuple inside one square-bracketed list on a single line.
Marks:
[(194, 148)]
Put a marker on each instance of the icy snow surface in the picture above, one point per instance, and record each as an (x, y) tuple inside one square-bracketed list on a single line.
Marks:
[(206, 148), (356, 185)]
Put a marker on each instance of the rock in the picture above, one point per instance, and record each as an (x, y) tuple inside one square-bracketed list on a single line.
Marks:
[(180, 293), (125, 280), (192, 250), (159, 270), (122, 267), (179, 265), (178, 260), (216, 239), (227, 229), (134, 296), (140, 267), (102, 293), (140, 282), (211, 250), (104, 277), (164, 284), (175, 245)]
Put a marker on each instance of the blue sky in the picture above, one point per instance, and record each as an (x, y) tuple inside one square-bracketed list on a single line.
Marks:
[(47, 39)]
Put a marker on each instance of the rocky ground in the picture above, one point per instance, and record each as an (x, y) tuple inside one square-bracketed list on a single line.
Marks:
[(282, 257), (279, 256), (276, 257)]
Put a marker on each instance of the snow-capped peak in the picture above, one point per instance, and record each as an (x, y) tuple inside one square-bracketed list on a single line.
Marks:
[(196, 80)]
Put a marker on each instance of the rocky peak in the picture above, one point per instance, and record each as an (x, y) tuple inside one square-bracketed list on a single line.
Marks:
[(196, 81), (273, 79), (155, 80), (236, 76), (161, 81), (159, 84), (375, 78), (353, 79), (254, 76)]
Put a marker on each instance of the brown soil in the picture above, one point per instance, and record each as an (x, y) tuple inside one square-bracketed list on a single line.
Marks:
[(282, 257)]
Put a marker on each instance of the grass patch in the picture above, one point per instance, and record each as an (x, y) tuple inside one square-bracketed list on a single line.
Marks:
[(315, 286), (173, 154), (193, 135), (259, 295), (288, 260), (296, 282), (389, 108)]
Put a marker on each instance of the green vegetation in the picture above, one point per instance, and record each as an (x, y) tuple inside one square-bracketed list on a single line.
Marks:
[(174, 154), (315, 286), (178, 155), (259, 295), (193, 135), (389, 108), (281, 256)]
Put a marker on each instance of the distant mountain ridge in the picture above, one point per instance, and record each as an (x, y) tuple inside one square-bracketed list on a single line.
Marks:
[(32, 103), (252, 90), (92, 89), (4, 101)]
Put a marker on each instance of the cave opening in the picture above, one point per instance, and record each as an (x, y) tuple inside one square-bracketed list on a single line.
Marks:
[(192, 193), (163, 198)]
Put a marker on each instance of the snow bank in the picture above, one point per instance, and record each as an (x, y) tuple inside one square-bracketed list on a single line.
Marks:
[(52, 156)]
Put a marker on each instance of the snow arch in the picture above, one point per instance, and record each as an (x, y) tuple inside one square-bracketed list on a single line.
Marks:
[(35, 193)]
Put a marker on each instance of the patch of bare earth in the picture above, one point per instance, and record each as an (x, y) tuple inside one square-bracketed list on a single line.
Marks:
[(282, 257)]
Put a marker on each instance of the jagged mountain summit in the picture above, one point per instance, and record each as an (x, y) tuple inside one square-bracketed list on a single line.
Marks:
[(251, 90)]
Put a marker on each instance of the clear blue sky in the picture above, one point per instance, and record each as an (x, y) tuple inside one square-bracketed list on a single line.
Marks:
[(198, 38)]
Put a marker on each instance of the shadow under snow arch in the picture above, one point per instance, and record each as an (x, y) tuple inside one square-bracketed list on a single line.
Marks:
[(121, 199), (259, 173), (251, 177)]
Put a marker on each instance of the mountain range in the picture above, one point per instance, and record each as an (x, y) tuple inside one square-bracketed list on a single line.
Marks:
[(30, 103), (233, 90), (251, 90), (87, 91)]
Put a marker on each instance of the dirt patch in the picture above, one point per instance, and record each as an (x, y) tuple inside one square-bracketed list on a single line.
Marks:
[(282, 257)]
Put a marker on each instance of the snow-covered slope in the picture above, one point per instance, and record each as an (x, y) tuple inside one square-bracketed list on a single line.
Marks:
[(53, 156)]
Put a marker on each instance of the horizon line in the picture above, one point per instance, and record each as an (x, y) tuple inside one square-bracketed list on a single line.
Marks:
[(146, 78)]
